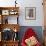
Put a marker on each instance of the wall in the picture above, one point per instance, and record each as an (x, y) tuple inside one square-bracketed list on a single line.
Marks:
[(39, 13), (37, 29), (27, 3)]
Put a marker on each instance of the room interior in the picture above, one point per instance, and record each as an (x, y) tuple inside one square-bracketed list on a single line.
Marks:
[(17, 16)]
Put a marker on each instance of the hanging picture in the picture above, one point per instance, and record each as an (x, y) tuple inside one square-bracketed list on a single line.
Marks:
[(5, 12), (30, 13)]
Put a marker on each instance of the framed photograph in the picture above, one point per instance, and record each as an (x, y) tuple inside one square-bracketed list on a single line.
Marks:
[(30, 13), (5, 12)]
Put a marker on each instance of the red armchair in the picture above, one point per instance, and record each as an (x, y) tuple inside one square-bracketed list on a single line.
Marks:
[(29, 36)]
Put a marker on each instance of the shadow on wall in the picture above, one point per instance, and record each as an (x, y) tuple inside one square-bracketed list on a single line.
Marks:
[(37, 29)]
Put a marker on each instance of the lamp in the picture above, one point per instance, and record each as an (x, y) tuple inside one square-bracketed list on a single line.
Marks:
[(15, 3), (15, 30)]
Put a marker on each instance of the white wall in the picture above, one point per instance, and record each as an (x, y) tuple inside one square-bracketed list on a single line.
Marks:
[(39, 13), (27, 3)]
